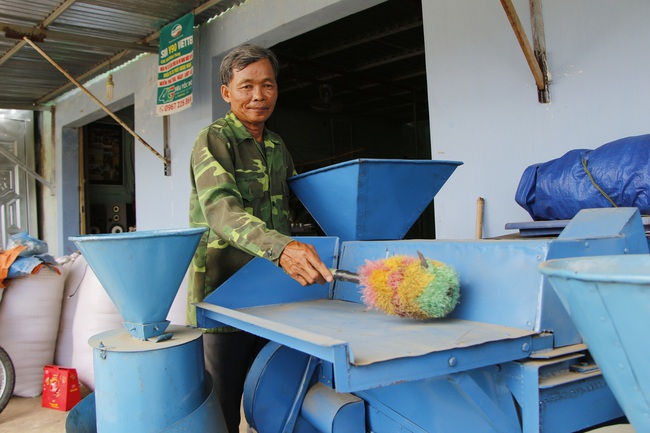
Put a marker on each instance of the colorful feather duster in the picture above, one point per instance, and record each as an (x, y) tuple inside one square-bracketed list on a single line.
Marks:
[(408, 286)]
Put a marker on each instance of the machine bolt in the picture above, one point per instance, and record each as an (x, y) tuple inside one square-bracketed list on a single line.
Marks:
[(525, 347), (452, 361)]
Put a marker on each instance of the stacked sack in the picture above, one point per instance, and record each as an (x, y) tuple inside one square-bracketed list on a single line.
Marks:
[(30, 310), (49, 310)]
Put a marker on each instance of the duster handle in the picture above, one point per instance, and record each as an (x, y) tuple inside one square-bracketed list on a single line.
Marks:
[(342, 275)]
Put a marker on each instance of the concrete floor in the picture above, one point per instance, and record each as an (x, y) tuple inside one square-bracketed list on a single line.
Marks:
[(26, 415)]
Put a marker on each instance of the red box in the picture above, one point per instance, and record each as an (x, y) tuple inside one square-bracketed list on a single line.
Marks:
[(60, 388)]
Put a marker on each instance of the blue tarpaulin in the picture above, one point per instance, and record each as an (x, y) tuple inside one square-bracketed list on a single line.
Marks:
[(31, 258), (616, 174)]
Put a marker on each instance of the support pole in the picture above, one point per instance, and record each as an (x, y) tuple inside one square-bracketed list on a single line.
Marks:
[(533, 64), (167, 149), (11, 157), (539, 47), (104, 107)]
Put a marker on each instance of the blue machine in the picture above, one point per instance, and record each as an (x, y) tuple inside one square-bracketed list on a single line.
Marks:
[(149, 376), (608, 298), (508, 359)]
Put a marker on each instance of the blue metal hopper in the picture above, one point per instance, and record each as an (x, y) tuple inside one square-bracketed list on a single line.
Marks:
[(371, 199), (608, 298), (135, 377), (141, 272)]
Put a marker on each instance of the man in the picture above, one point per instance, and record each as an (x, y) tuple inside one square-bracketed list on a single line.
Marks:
[(239, 191)]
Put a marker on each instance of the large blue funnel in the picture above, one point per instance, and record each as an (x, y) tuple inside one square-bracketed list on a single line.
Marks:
[(608, 298), (371, 199), (141, 272)]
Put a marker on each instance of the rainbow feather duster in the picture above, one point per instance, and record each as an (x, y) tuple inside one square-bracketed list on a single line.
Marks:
[(409, 287)]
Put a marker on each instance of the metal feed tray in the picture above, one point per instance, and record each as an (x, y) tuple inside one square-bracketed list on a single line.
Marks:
[(366, 349)]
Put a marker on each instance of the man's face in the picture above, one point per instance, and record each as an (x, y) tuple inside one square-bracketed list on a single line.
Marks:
[(252, 93)]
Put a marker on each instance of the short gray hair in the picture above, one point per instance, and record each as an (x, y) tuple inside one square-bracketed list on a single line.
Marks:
[(244, 55)]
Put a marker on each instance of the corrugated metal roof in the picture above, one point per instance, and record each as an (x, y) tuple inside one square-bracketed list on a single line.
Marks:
[(85, 37), (371, 63)]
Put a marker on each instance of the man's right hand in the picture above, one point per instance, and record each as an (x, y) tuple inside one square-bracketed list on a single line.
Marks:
[(302, 263)]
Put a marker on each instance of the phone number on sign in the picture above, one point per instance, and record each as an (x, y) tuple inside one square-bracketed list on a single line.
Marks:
[(176, 105)]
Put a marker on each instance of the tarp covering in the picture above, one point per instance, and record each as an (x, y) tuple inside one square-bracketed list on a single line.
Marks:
[(616, 174)]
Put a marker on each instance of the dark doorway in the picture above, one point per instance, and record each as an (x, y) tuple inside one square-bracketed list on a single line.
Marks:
[(357, 88), (108, 191)]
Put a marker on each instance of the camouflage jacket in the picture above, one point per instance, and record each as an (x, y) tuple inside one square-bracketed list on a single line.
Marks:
[(239, 191)]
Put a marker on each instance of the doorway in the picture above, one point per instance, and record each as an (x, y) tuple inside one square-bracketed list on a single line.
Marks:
[(107, 176), (357, 88)]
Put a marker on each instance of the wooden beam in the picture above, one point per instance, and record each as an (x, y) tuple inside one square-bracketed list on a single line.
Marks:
[(46, 22), (511, 13), (539, 47), (86, 75), (94, 98)]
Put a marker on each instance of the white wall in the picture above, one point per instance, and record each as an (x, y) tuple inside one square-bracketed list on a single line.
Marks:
[(162, 201), (482, 97), (483, 103)]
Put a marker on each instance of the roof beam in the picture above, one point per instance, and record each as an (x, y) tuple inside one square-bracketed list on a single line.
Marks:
[(370, 38), (152, 37), (46, 22), (40, 35), (86, 75), (94, 98)]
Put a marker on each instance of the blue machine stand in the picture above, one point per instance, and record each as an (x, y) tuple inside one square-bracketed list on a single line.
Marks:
[(508, 359)]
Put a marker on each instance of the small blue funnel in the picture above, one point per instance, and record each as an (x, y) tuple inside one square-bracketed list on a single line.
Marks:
[(141, 272), (608, 298), (371, 199)]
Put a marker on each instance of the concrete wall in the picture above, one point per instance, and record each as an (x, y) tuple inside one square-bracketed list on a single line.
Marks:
[(162, 201), (482, 97), (483, 103)]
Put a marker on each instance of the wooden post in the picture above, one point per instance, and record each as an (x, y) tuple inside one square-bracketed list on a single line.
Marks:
[(480, 204)]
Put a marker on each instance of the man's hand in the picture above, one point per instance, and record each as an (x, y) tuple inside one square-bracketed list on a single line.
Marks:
[(302, 263)]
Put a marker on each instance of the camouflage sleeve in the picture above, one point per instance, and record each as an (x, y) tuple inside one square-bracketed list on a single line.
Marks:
[(221, 201)]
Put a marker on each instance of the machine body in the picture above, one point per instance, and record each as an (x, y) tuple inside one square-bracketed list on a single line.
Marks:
[(149, 376), (507, 359)]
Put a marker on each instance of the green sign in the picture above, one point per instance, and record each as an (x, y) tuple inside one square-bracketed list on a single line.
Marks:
[(175, 66)]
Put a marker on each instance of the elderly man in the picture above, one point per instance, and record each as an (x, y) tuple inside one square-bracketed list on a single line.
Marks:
[(239, 191)]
